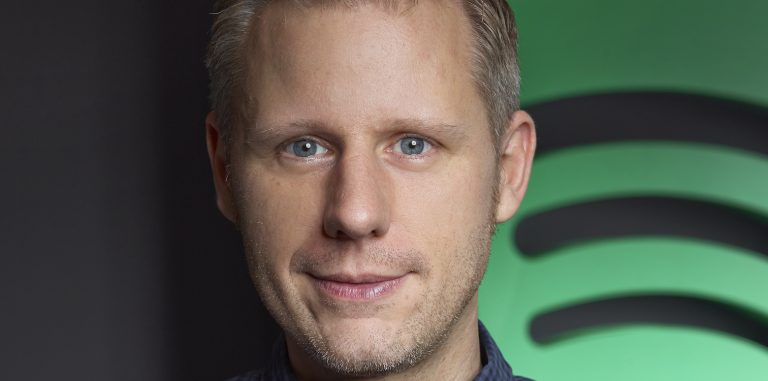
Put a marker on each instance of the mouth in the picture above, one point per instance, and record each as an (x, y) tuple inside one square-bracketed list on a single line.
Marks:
[(362, 287)]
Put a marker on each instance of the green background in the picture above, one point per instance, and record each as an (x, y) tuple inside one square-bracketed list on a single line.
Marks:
[(570, 48), (574, 48)]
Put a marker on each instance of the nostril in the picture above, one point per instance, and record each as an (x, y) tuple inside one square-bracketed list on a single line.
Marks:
[(340, 235), (354, 226)]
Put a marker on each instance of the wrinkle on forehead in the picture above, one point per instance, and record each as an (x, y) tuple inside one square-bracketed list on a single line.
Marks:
[(273, 26), (394, 6), (279, 42)]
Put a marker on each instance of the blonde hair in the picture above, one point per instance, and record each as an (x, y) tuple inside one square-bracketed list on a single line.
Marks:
[(494, 67)]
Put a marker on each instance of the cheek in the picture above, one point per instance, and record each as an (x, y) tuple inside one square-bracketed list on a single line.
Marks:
[(450, 217), (448, 203), (277, 215), (452, 223)]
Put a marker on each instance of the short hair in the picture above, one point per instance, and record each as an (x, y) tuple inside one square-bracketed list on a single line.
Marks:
[(495, 68)]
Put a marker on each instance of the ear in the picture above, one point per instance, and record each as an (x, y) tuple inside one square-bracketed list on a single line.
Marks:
[(517, 148), (219, 166)]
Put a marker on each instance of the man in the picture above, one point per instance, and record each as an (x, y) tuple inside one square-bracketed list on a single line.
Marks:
[(366, 150)]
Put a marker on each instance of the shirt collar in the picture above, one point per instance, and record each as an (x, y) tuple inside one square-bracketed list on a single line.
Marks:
[(495, 367)]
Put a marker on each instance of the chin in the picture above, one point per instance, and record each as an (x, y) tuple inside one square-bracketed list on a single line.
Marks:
[(368, 347), (365, 349)]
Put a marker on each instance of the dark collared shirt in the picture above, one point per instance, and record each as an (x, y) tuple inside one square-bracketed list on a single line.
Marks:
[(495, 368)]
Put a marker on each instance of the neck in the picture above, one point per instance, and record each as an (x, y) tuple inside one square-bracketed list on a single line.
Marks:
[(456, 359)]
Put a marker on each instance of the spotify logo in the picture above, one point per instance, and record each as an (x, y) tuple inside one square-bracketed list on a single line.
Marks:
[(641, 249)]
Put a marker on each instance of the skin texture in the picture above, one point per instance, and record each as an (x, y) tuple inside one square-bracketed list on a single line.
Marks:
[(355, 83)]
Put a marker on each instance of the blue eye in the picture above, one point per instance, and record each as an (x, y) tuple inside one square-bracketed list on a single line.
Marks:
[(412, 146), (306, 148)]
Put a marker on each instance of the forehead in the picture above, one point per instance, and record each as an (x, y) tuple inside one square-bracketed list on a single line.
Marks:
[(361, 58), (426, 21)]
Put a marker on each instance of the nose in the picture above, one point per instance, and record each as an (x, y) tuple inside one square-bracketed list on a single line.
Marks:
[(357, 205)]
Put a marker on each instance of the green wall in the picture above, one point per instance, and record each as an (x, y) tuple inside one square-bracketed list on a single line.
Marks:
[(703, 46), (573, 48)]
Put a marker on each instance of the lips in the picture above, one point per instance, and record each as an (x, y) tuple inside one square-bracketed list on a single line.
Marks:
[(357, 287)]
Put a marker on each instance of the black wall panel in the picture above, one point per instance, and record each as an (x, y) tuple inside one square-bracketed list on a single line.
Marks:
[(115, 264)]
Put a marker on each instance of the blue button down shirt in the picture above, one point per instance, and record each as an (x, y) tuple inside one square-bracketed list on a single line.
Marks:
[(495, 368)]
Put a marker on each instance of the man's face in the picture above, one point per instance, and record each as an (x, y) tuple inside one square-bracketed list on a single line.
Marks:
[(363, 186)]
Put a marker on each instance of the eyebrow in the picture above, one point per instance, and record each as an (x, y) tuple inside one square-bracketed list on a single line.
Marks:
[(445, 129), (254, 134)]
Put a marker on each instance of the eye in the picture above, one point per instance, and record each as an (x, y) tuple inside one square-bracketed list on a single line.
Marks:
[(412, 146), (306, 148)]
